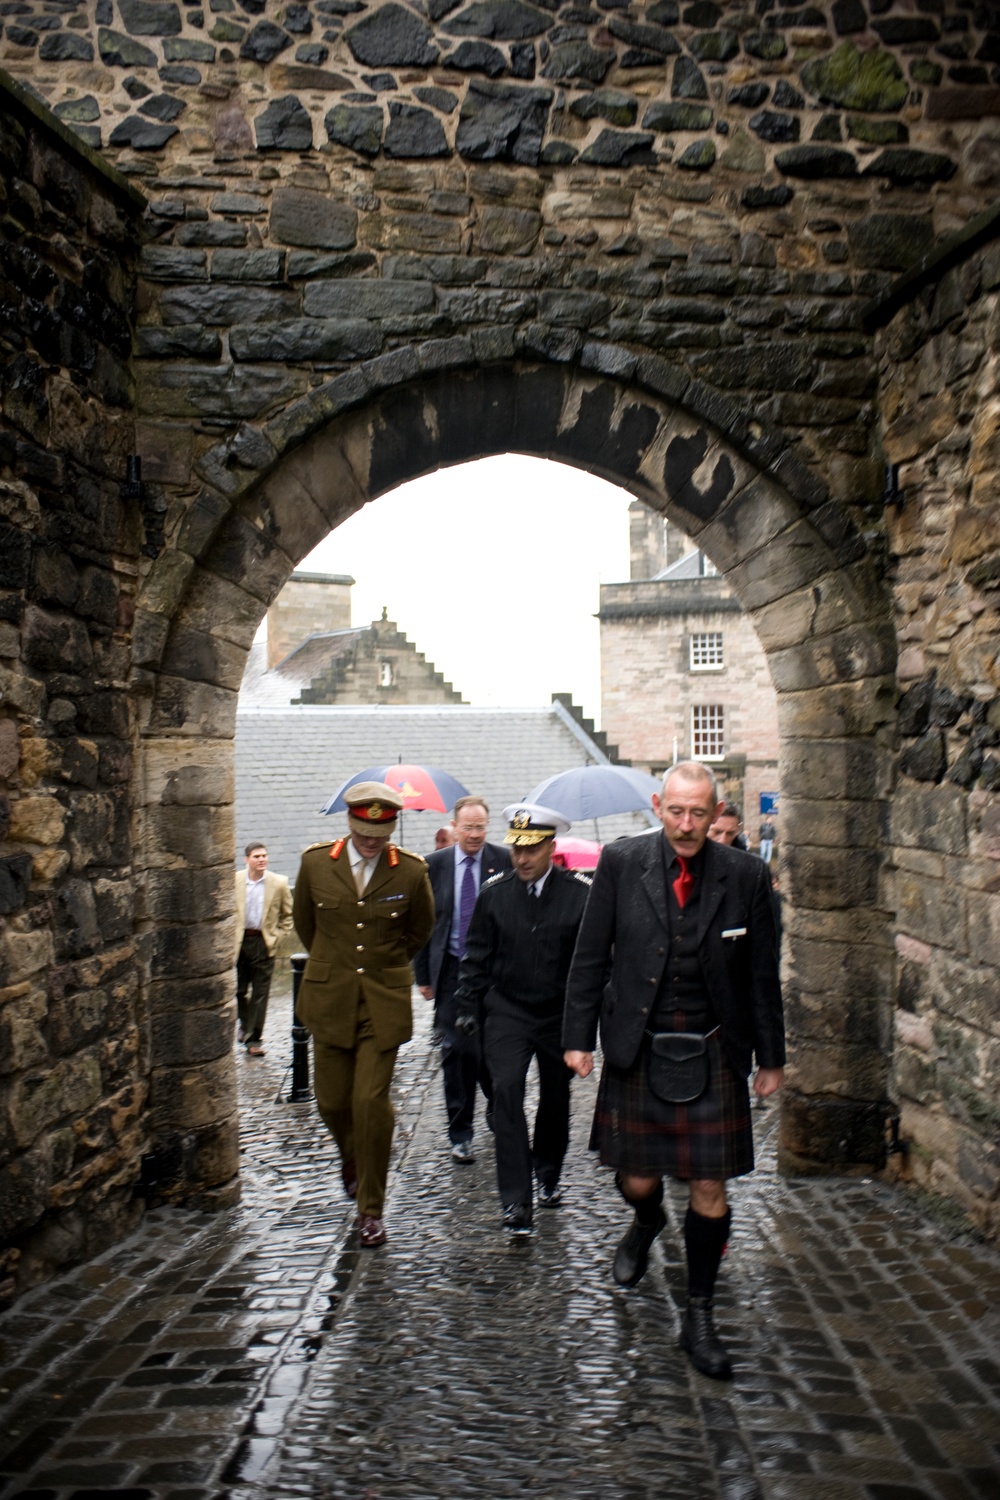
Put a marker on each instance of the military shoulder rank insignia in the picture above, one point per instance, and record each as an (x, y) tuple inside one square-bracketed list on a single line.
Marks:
[(582, 878)]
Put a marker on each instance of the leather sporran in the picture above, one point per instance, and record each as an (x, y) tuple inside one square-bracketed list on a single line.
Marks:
[(678, 1066)]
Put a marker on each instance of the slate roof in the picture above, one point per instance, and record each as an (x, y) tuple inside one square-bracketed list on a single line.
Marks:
[(285, 682), (290, 760), (688, 566)]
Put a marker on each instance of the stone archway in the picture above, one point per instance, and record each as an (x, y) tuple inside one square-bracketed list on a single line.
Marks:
[(794, 558)]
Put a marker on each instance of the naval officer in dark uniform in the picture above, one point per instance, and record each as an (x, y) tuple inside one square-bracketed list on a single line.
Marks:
[(363, 908), (678, 959), (512, 983)]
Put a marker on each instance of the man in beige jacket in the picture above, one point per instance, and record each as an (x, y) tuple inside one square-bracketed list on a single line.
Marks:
[(263, 913)]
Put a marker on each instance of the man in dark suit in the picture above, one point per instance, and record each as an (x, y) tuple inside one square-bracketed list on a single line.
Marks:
[(511, 988), (456, 875), (685, 929)]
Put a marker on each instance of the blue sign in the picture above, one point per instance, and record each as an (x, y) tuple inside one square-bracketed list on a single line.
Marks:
[(769, 803)]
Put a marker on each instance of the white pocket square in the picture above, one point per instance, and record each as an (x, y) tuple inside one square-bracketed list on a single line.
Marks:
[(734, 932)]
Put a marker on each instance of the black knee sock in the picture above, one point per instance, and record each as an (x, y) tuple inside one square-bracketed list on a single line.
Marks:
[(705, 1242), (647, 1209)]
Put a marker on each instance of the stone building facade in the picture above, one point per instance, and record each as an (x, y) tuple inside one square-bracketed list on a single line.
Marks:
[(309, 604), (378, 665), (683, 675), (313, 651), (660, 242)]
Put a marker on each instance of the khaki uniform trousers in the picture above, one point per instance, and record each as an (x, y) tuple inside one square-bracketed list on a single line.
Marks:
[(352, 1094)]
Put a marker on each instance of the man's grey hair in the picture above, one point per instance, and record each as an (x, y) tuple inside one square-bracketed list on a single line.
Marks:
[(692, 770)]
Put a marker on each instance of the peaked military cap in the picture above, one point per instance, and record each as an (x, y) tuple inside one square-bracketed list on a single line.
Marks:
[(530, 823), (372, 808)]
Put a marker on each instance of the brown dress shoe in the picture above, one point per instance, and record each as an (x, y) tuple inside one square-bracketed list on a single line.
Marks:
[(349, 1177), (371, 1231)]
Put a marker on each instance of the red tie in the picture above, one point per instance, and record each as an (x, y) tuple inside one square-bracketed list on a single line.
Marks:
[(684, 882)]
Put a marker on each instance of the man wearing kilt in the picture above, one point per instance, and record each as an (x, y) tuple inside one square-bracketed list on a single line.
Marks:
[(677, 960)]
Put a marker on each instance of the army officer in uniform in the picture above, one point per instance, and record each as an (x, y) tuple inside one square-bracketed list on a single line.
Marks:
[(363, 908)]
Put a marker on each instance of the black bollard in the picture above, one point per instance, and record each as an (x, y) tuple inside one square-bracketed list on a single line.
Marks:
[(300, 1037)]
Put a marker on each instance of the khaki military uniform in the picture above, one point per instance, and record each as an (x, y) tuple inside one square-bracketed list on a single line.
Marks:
[(355, 994)]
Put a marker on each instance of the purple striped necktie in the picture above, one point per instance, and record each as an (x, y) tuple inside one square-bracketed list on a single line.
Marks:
[(467, 901)]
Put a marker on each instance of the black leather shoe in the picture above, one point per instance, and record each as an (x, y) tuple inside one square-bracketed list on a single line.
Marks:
[(549, 1194), (517, 1219), (701, 1343), (632, 1255)]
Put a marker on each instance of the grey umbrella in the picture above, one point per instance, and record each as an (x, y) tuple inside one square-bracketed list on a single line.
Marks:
[(596, 791)]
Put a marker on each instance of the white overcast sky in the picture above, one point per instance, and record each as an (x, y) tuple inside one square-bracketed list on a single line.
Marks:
[(492, 569)]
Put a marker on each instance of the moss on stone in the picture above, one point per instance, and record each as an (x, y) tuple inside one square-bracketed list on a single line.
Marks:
[(877, 132), (714, 46), (922, 70), (698, 157), (766, 45), (676, 116), (870, 81)]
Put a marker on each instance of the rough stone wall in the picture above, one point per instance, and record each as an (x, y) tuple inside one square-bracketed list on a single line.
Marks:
[(309, 603), (357, 677), (940, 368), (74, 1040), (333, 181)]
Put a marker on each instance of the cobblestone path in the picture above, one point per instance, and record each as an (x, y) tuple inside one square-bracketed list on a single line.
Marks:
[(256, 1355)]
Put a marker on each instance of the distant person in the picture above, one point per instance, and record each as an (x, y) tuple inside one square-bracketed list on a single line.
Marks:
[(263, 913), (677, 960), (457, 874), (511, 989), (363, 908), (728, 828), (443, 839), (768, 834)]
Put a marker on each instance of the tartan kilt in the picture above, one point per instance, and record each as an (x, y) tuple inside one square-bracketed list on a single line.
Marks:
[(638, 1133)]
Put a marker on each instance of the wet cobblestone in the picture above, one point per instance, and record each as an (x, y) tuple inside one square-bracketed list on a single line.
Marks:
[(256, 1355)]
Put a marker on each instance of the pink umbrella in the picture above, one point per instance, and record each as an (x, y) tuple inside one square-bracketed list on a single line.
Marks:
[(576, 854)]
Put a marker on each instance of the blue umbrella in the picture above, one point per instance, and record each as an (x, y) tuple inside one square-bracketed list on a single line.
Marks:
[(596, 791)]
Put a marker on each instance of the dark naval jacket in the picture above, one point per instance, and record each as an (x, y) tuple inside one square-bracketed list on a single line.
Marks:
[(519, 947), (624, 946)]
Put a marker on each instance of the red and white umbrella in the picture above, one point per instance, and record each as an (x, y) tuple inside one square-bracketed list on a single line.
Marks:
[(422, 788)]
